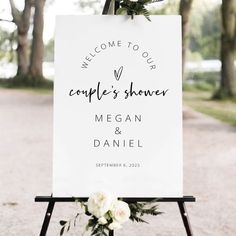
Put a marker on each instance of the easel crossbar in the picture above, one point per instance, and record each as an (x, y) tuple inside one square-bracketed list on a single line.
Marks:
[(128, 200)]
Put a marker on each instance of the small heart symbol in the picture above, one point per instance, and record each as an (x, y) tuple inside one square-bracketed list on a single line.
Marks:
[(118, 73)]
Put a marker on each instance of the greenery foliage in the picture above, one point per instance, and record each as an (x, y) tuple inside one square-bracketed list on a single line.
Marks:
[(138, 210), (134, 8)]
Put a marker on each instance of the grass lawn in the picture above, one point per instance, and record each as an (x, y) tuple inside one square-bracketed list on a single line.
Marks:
[(44, 88), (201, 101)]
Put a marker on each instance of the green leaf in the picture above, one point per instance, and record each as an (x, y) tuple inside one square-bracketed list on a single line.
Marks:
[(88, 213), (62, 222), (139, 209), (68, 228), (121, 11), (62, 231), (90, 222)]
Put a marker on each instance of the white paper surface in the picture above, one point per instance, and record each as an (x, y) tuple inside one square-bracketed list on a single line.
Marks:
[(130, 59)]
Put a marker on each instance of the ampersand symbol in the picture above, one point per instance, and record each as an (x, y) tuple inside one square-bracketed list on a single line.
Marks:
[(117, 130)]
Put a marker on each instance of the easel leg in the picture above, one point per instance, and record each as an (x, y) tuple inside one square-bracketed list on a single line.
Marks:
[(106, 7), (185, 218), (47, 218), (111, 232)]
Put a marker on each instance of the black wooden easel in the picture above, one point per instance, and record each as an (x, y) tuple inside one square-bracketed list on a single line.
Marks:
[(52, 200), (108, 4)]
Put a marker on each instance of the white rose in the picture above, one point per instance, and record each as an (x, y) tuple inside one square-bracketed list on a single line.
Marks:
[(99, 204), (102, 221), (114, 225), (120, 211)]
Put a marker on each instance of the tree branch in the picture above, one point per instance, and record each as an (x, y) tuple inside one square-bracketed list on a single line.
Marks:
[(15, 12), (26, 14)]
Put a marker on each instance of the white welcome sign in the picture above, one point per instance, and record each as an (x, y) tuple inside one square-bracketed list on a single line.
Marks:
[(117, 106)]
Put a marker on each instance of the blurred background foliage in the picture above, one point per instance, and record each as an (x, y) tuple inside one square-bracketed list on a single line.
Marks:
[(7, 45), (204, 35), (204, 28), (209, 47)]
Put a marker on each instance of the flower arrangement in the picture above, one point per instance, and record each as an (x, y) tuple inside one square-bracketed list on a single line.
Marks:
[(135, 7), (107, 213)]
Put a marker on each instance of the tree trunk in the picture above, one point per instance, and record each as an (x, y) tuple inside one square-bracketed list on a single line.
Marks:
[(36, 59), (22, 21), (22, 55), (228, 49), (184, 11)]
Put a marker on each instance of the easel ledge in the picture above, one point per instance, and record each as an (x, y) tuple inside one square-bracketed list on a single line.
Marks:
[(179, 200), (128, 200)]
